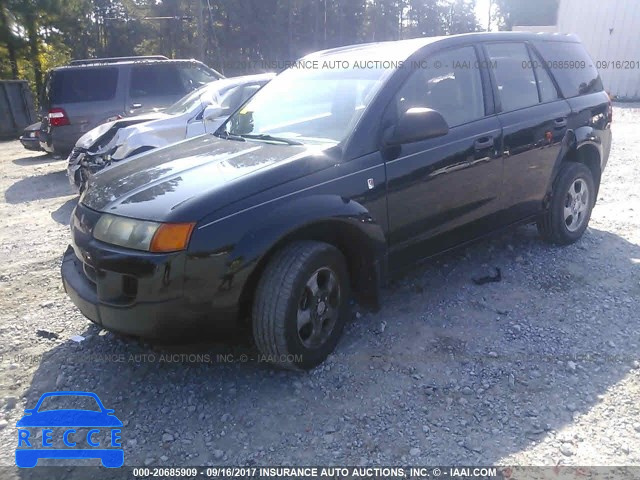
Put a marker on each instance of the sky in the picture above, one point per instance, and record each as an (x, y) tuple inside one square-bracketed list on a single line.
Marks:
[(482, 12)]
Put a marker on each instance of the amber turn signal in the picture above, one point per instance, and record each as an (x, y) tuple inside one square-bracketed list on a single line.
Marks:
[(171, 237)]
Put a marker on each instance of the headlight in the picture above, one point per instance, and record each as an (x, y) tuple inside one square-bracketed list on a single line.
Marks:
[(142, 234)]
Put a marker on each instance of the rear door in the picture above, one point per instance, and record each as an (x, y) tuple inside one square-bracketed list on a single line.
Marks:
[(534, 119)]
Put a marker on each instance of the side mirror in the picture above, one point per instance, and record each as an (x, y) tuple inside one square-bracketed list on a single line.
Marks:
[(415, 125), (213, 111)]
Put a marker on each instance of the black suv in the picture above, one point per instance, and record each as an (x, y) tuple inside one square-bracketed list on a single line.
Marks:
[(86, 93), (345, 169)]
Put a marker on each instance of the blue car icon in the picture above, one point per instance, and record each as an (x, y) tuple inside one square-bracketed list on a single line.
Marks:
[(29, 451)]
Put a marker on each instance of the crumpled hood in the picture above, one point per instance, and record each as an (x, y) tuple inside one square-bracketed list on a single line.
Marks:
[(157, 133), (177, 182), (92, 136)]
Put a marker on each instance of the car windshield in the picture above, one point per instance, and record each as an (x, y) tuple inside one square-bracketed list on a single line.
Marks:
[(188, 102), (316, 106), (63, 402)]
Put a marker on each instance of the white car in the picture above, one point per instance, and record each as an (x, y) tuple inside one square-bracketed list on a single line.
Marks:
[(202, 111)]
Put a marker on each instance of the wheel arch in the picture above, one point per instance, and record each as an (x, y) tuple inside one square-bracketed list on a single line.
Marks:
[(581, 146), (589, 155), (346, 225)]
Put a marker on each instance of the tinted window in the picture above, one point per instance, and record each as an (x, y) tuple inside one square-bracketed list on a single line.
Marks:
[(155, 81), (572, 67), (516, 83), (548, 92), (450, 83), (82, 85)]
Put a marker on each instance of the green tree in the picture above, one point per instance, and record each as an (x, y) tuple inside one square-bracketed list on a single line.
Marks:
[(41, 34), (9, 38)]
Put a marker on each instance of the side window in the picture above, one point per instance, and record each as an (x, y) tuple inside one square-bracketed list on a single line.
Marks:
[(572, 67), (232, 98), (155, 81), (248, 92), (516, 85), (548, 92), (238, 95), (194, 76), (450, 83)]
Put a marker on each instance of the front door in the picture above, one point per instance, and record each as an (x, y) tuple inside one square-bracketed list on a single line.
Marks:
[(443, 191)]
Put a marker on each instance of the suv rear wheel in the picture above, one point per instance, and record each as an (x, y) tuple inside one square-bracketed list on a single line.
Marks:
[(301, 305), (572, 201)]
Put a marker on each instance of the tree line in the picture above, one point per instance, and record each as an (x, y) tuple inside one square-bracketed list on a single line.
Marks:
[(229, 35)]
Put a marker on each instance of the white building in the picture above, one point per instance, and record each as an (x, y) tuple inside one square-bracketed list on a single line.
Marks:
[(610, 29)]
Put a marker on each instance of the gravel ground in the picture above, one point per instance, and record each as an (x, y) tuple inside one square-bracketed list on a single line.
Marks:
[(542, 368)]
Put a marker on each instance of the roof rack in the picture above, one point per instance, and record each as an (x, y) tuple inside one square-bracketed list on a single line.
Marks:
[(89, 61)]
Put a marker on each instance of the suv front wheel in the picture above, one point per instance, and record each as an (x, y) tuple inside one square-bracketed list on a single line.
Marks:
[(301, 305), (572, 200)]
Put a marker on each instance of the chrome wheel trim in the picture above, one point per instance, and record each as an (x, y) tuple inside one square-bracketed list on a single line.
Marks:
[(318, 308), (576, 205)]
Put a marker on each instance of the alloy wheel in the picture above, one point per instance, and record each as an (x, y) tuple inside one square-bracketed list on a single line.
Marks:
[(318, 308), (576, 206)]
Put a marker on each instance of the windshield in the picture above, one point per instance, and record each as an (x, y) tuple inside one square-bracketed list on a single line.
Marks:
[(63, 402), (308, 106), (188, 102)]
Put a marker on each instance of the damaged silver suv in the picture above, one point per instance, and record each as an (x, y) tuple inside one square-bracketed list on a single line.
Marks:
[(199, 112), (82, 95)]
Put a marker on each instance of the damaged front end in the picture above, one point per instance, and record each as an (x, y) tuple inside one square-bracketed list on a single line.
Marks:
[(94, 150), (83, 163)]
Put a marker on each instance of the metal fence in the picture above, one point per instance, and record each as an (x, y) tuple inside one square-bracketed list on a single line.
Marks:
[(16, 108)]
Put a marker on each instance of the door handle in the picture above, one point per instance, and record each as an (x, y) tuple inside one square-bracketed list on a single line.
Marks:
[(560, 122), (483, 143), (135, 106)]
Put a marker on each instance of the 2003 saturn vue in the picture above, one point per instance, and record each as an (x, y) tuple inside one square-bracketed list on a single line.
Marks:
[(331, 179)]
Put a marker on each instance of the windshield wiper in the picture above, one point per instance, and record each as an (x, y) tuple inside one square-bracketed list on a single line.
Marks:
[(229, 136), (270, 138)]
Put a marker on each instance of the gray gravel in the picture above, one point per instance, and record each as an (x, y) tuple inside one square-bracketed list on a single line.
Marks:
[(542, 368)]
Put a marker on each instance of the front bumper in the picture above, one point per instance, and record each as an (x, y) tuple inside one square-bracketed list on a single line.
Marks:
[(74, 168), (143, 294), (83, 164), (158, 320)]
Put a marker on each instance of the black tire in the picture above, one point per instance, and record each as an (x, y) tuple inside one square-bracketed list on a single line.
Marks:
[(553, 226), (283, 294)]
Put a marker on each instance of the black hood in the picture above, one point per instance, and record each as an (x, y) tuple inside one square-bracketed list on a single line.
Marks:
[(173, 183)]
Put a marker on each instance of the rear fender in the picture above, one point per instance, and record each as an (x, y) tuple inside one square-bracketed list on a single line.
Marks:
[(574, 140)]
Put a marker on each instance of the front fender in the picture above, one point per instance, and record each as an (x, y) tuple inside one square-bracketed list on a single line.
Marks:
[(272, 227), (134, 142), (302, 213)]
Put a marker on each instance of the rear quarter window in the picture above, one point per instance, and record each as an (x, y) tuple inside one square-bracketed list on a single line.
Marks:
[(572, 67), (82, 85)]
